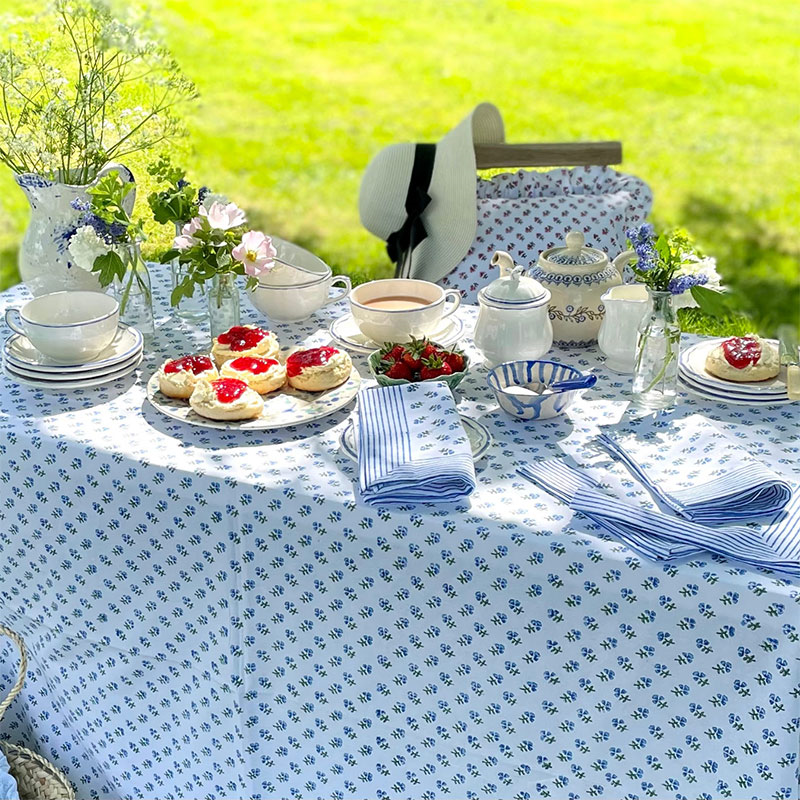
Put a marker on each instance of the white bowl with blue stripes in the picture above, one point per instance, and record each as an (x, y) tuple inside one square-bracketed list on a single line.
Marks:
[(524, 373)]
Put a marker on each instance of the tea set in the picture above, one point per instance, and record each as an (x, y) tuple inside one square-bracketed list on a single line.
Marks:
[(573, 295)]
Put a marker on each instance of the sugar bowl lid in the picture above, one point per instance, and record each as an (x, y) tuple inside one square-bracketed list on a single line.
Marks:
[(513, 288), (574, 254)]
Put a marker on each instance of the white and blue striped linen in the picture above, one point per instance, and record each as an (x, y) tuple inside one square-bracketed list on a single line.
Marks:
[(703, 476), (662, 537), (412, 447)]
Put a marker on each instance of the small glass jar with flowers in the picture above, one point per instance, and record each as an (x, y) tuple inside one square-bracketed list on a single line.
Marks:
[(675, 273), (215, 247), (107, 242)]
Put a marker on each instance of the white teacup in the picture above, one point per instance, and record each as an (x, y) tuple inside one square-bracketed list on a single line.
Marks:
[(297, 286), (69, 327), (396, 309)]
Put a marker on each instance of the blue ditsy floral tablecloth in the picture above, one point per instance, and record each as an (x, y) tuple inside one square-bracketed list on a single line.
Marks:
[(213, 615)]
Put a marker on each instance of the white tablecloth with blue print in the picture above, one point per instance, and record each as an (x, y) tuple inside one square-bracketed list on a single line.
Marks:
[(212, 615)]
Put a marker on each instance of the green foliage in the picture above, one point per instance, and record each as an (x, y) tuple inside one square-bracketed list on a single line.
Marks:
[(178, 202), (108, 267), (711, 302)]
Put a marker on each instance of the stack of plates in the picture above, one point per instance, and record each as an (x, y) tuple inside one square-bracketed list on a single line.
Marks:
[(23, 363), (693, 376)]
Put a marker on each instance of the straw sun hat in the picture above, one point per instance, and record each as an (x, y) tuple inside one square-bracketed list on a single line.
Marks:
[(420, 198)]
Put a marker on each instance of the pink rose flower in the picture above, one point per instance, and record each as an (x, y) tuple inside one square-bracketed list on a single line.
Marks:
[(255, 253), (223, 217)]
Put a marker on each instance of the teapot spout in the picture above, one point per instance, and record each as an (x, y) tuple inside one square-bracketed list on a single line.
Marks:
[(504, 261)]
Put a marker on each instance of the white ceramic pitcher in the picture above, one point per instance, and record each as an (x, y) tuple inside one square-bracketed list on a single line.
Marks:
[(45, 264), (625, 308)]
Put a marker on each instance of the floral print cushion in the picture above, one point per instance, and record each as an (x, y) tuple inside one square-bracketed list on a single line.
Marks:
[(526, 212)]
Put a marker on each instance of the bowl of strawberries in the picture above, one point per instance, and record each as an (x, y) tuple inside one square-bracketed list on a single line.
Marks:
[(418, 360)]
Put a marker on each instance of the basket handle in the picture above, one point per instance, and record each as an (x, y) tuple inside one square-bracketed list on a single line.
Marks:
[(23, 667)]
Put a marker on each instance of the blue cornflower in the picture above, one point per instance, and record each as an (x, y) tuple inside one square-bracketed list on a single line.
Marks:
[(110, 233), (682, 283), (182, 182), (202, 192), (80, 205), (642, 242)]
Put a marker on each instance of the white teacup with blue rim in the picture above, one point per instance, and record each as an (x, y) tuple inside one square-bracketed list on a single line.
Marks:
[(69, 327), (395, 309)]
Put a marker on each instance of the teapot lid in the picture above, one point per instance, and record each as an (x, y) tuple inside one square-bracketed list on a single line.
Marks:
[(515, 289), (574, 254)]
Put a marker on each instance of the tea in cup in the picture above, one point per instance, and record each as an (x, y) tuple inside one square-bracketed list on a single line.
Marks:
[(69, 327), (396, 309)]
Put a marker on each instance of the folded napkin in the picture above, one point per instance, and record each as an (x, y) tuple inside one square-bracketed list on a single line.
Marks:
[(700, 474), (663, 537), (411, 446)]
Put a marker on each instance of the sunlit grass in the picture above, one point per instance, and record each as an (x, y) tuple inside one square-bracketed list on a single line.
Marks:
[(297, 96)]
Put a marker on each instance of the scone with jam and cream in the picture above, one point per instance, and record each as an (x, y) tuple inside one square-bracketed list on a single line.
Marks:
[(226, 399), (244, 340), (744, 358), (318, 368), (178, 376), (265, 375)]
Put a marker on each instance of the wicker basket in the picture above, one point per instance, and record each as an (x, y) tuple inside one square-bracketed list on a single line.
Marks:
[(36, 777)]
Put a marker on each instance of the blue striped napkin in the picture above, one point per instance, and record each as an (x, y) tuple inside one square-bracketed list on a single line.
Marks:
[(412, 447), (700, 474), (662, 537)]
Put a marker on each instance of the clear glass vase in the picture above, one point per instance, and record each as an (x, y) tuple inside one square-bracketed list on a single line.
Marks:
[(135, 294), (223, 303), (655, 375), (193, 309)]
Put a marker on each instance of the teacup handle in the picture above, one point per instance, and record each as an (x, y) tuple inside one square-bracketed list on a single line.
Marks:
[(347, 286), (14, 320), (455, 294)]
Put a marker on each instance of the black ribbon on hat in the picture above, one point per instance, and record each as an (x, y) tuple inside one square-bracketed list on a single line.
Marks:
[(400, 243)]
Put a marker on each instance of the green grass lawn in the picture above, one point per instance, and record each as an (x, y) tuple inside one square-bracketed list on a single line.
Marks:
[(298, 94)]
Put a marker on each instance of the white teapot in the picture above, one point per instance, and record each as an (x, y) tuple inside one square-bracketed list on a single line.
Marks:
[(577, 277), (513, 322)]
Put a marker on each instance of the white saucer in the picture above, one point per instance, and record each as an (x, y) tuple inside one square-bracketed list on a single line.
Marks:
[(688, 383), (345, 333), (478, 435), (692, 363), (60, 377), (64, 385), (19, 352)]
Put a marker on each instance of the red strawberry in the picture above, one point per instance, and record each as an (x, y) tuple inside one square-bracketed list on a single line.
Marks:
[(401, 370), (455, 360), (392, 352), (428, 350), (434, 367)]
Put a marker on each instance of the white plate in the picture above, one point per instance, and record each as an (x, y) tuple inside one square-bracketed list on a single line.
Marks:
[(68, 385), (281, 409), (693, 362), (690, 385), (18, 351), (58, 377), (478, 435), (345, 333)]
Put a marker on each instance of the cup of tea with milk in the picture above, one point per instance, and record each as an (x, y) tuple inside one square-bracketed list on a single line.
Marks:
[(396, 309)]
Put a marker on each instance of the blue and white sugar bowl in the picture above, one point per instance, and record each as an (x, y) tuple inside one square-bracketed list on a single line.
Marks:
[(537, 389), (512, 321)]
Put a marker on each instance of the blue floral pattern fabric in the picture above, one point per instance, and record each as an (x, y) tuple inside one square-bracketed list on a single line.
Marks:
[(213, 614)]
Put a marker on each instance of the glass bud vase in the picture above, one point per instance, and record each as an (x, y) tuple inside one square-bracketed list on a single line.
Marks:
[(135, 294), (193, 309), (655, 375), (223, 303)]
